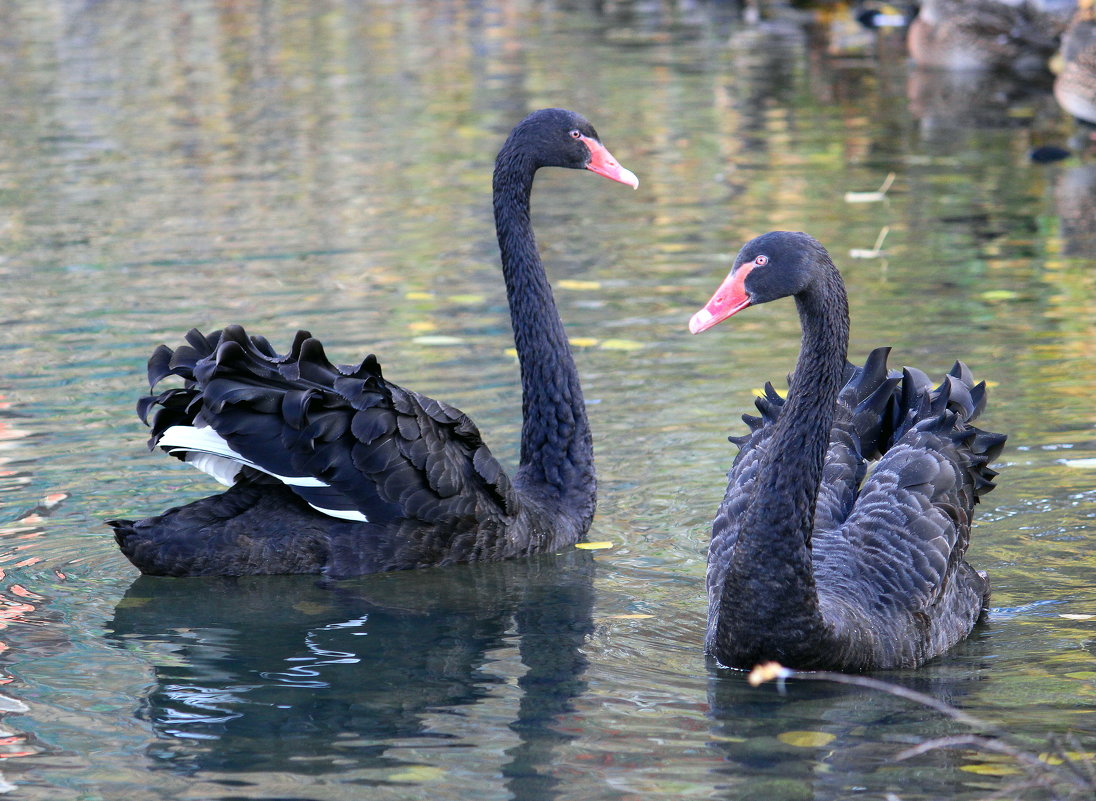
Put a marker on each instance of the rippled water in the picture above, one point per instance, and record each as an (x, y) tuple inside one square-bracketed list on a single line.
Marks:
[(327, 166)]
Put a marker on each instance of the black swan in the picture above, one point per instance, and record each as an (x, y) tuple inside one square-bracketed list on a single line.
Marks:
[(810, 564), (335, 470)]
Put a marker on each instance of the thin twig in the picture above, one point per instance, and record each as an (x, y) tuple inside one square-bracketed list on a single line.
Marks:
[(1076, 773), (780, 673)]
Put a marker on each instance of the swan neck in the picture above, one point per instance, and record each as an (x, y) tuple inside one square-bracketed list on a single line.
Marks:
[(556, 445), (775, 532)]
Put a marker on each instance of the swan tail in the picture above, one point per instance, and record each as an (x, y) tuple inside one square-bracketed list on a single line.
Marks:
[(864, 418), (948, 411), (350, 443), (869, 394)]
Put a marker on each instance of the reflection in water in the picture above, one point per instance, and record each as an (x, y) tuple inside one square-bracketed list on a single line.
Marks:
[(26, 624), (1075, 197), (821, 741), (376, 670), (949, 103)]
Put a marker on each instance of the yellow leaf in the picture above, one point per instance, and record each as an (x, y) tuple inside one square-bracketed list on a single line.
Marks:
[(806, 739), (419, 295), (310, 607), (1074, 756), (418, 773), (1083, 675), (594, 546), (583, 342), (990, 769), (467, 298), (999, 294), (579, 286), (420, 326), (511, 352), (621, 344)]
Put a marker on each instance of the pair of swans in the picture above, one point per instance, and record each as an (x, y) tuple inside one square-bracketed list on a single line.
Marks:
[(336, 470)]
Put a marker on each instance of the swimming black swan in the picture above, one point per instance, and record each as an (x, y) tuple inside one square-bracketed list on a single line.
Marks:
[(334, 469), (808, 566)]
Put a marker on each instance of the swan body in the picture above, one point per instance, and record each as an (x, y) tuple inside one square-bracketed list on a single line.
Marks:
[(813, 562), (335, 469)]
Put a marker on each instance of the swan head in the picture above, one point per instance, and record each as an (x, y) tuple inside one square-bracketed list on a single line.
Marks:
[(556, 137), (772, 266)]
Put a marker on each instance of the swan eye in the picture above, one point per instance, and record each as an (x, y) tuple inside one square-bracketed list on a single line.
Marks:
[(576, 133), (761, 260)]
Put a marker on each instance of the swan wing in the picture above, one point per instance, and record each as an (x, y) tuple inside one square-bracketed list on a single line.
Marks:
[(906, 537), (864, 419), (350, 443)]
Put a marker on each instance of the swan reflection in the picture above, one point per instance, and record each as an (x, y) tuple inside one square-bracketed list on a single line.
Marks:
[(367, 679)]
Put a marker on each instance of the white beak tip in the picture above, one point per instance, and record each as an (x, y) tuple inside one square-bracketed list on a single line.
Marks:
[(700, 321)]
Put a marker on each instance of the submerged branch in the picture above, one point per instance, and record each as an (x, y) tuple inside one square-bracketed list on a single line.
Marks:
[(1075, 775)]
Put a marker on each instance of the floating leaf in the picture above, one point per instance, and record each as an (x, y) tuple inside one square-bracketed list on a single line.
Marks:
[(418, 773), (1083, 675), (864, 197), (419, 295), (1074, 756), (806, 739), (594, 546), (466, 298), (438, 340), (990, 769), (871, 197), (511, 352), (583, 342), (999, 294), (310, 608), (675, 247), (419, 326), (622, 344), (578, 286), (863, 253)]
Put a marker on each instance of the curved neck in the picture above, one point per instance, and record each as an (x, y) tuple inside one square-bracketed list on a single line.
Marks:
[(776, 529), (556, 446)]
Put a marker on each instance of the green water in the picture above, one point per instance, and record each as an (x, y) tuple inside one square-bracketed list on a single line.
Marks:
[(327, 166)]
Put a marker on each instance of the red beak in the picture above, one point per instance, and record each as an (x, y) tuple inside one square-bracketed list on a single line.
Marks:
[(603, 163), (729, 299)]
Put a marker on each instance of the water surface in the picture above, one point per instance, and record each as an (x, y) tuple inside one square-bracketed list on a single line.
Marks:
[(327, 166)]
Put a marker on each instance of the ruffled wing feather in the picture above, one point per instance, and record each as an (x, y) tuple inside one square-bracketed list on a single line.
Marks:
[(384, 451)]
